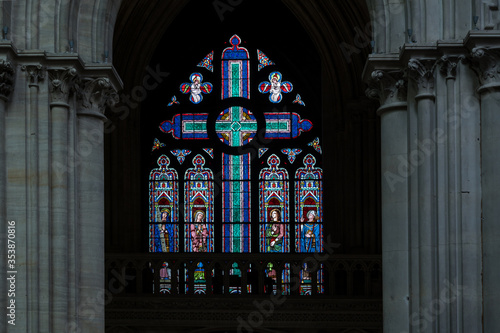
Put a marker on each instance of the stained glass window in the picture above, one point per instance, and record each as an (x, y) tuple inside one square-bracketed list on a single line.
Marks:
[(271, 279), (271, 283), (285, 279), (274, 214), (235, 279), (235, 70), (199, 279), (320, 282), (166, 279), (251, 159), (308, 207), (199, 208), (305, 280), (236, 214), (163, 208)]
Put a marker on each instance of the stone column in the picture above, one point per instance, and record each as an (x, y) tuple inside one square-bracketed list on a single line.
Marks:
[(449, 247), (6, 87), (36, 228), (95, 94), (487, 61), (390, 87), (468, 284), (459, 263), (424, 264), (61, 82)]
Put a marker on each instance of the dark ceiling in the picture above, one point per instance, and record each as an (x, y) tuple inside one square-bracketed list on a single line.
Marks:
[(333, 27)]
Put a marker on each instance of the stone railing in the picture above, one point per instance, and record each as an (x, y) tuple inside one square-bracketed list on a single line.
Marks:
[(227, 290), (346, 276)]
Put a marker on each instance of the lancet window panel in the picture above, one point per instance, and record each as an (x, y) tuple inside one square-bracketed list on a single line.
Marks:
[(163, 208), (235, 67), (309, 207), (199, 207), (274, 207)]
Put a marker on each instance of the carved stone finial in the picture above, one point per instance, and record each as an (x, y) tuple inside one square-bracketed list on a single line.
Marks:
[(388, 87), (96, 94), (6, 79), (35, 74), (422, 71), (486, 62), (62, 82)]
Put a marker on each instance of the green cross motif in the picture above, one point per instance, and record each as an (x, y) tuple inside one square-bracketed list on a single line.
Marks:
[(236, 126)]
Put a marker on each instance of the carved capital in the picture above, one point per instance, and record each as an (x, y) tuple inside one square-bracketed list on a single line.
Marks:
[(34, 73), (6, 79), (422, 71), (486, 63), (62, 82), (95, 94), (388, 87), (449, 66)]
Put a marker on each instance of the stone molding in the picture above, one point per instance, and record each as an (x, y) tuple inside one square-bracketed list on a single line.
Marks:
[(62, 82), (34, 73), (418, 62), (36, 62), (297, 317), (187, 303), (6, 79)]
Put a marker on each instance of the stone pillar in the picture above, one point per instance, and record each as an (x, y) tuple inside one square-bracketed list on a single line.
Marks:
[(95, 94), (458, 199), (390, 87), (424, 233), (36, 228), (449, 244), (61, 82), (487, 61), (6, 87), (468, 284)]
